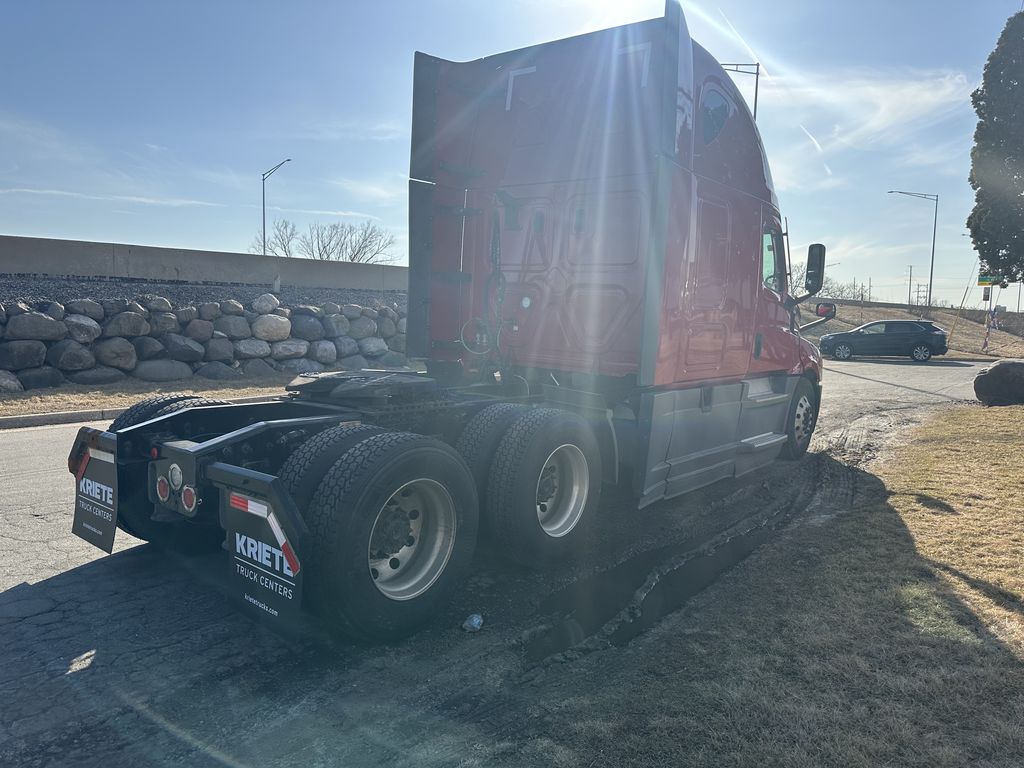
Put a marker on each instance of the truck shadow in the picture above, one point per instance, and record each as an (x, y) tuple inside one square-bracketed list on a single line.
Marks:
[(135, 659)]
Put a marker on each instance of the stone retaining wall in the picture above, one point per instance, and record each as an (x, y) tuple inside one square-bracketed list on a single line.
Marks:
[(100, 342)]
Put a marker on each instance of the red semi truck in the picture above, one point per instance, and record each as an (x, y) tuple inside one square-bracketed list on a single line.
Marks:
[(598, 286)]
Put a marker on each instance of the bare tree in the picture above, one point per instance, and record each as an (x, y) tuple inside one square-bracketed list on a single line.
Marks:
[(366, 243), (282, 240)]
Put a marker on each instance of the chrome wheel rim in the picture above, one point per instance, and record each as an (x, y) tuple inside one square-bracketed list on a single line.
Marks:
[(843, 352), (562, 490), (803, 420), (412, 539), (921, 353)]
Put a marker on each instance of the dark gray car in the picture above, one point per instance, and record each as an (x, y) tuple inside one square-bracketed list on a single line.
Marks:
[(916, 339)]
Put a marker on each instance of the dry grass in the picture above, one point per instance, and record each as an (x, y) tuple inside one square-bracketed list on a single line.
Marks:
[(73, 397), (890, 634), (966, 338)]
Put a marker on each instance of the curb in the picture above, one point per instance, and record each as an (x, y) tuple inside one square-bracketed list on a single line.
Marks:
[(74, 417)]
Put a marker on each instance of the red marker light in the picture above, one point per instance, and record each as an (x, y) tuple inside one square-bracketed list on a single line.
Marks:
[(163, 488), (154, 452), (188, 498)]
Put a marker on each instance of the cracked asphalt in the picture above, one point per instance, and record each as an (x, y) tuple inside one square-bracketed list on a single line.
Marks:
[(136, 658)]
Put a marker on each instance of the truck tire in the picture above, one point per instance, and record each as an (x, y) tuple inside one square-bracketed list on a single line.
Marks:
[(305, 468), (543, 487), (134, 510), (800, 420), (393, 527), (479, 440), (144, 410)]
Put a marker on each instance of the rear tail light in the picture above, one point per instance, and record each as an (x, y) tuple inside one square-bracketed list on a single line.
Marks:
[(188, 498), (163, 488)]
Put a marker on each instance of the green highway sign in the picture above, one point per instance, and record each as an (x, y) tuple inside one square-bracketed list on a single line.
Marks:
[(990, 279)]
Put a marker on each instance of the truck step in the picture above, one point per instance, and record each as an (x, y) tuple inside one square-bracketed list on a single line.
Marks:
[(761, 442)]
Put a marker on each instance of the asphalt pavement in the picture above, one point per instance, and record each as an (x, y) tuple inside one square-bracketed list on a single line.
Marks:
[(134, 659)]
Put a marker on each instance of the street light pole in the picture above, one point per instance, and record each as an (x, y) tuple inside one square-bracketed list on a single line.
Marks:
[(266, 176), (935, 227)]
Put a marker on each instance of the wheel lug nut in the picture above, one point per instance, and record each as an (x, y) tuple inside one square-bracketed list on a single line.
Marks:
[(410, 541), (543, 507), (413, 514), (394, 563)]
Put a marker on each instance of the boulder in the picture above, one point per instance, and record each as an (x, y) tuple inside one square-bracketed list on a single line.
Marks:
[(209, 311), (265, 303), (272, 327), (400, 325), (390, 313), (249, 348), (250, 316), (354, 362), (116, 352), (307, 309), (18, 308), (148, 348), (346, 346), (69, 355), (231, 307), (323, 352), (35, 326), (370, 313), (162, 370), (113, 306), (233, 326), (82, 329), (220, 350), (307, 327), (330, 308), (257, 368), (156, 303), (288, 349), (37, 378), (15, 355), (186, 315), (9, 383), (136, 306), (335, 325), (397, 342), (218, 371), (183, 348), (362, 327), (101, 374), (126, 324), (386, 327), (282, 312), (52, 308), (351, 311), (3, 315), (372, 346), (300, 365), (392, 360), (1002, 383), (163, 322), (199, 330)]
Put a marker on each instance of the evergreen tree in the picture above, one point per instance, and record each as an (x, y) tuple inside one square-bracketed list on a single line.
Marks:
[(997, 160)]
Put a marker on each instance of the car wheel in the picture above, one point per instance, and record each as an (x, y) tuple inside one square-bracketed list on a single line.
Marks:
[(842, 352), (921, 353)]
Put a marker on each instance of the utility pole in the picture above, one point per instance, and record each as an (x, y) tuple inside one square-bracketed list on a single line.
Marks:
[(869, 289), (935, 226), (910, 283)]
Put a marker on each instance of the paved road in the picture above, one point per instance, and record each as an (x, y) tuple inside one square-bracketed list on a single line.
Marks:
[(132, 659)]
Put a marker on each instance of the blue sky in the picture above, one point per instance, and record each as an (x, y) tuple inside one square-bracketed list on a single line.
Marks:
[(151, 123)]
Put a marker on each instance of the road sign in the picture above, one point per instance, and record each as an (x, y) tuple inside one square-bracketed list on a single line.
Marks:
[(989, 279)]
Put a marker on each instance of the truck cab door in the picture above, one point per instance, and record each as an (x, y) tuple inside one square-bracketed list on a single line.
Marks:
[(776, 345)]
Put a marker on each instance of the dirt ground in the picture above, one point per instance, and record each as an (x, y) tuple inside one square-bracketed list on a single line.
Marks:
[(859, 607), (74, 397)]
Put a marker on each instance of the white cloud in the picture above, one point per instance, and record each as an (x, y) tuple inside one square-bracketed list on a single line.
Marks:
[(386, 189), (354, 130), (174, 202), (324, 212)]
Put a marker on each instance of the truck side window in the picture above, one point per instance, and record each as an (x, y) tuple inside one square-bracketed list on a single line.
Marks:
[(773, 261), (714, 111)]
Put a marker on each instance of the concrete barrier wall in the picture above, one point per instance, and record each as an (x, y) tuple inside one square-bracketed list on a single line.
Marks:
[(41, 256)]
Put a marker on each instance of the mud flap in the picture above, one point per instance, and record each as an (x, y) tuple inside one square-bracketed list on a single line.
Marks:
[(94, 465), (264, 537)]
